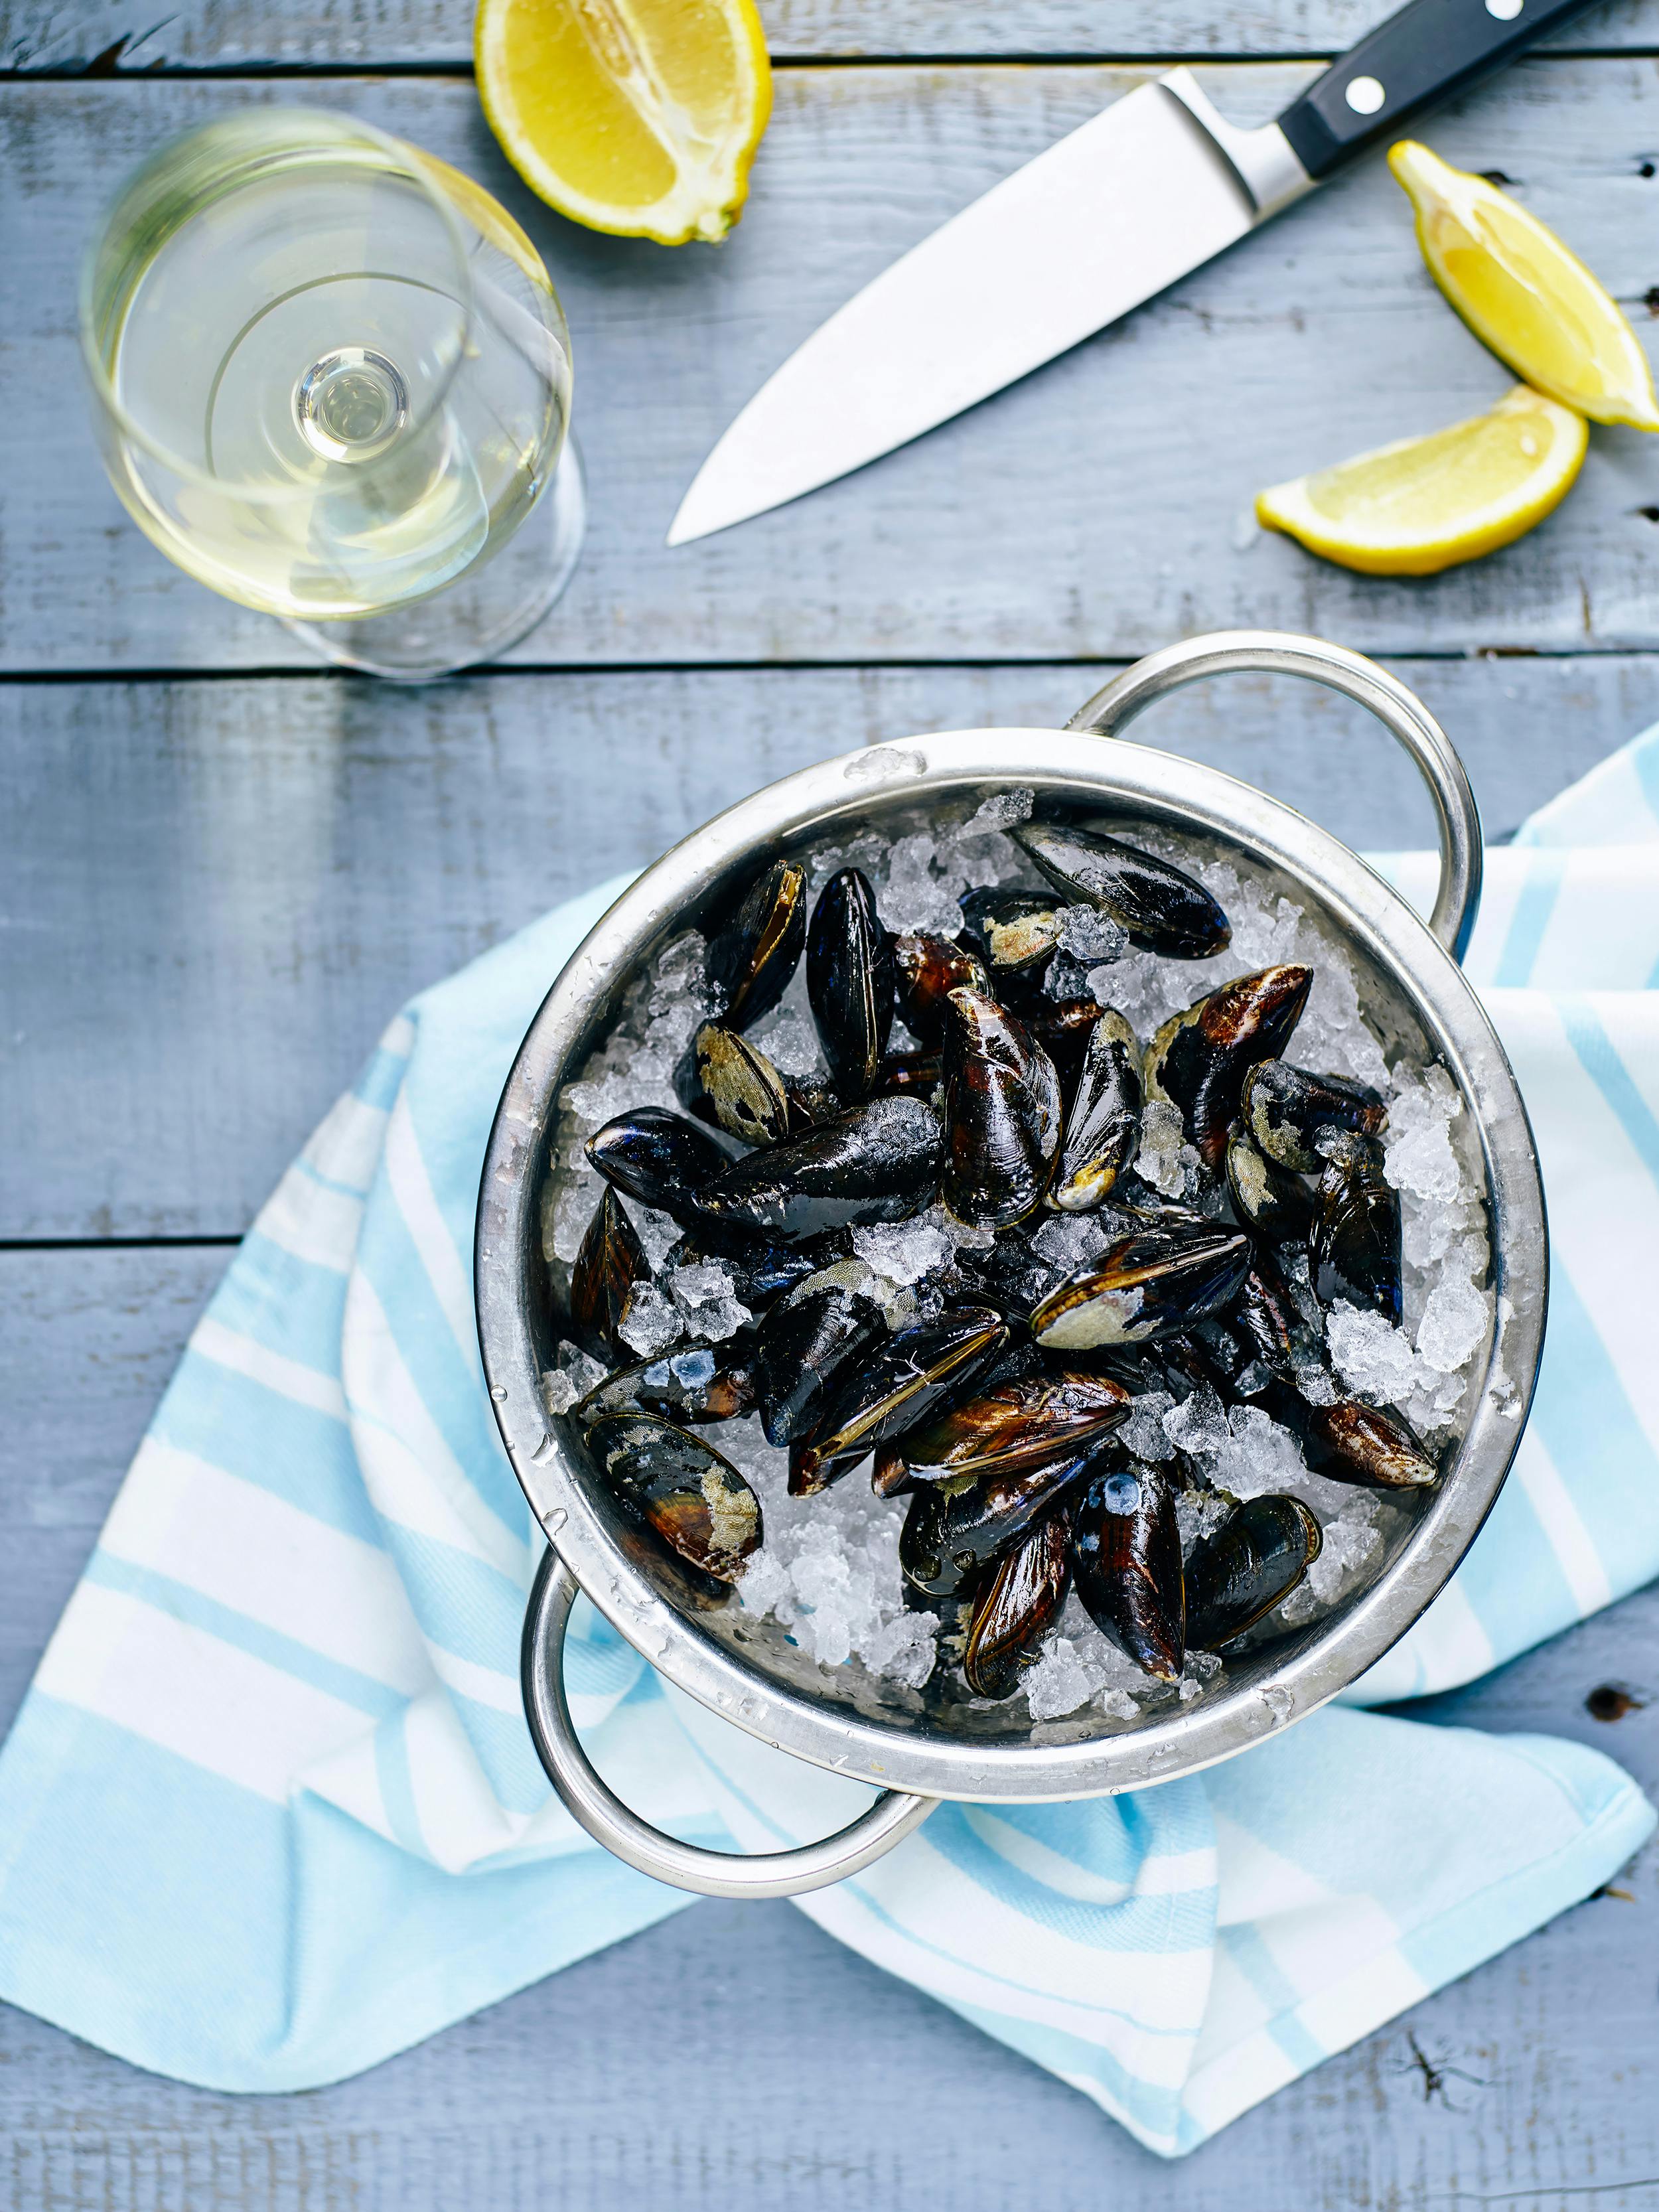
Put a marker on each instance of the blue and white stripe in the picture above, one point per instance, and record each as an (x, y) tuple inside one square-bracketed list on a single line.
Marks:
[(270, 1814)]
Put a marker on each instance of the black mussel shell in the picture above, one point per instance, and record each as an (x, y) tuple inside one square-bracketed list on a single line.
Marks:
[(878, 1163), (749, 961), (1016, 1420), (1146, 1284), (660, 1158), (1278, 1332), (1013, 933), (1010, 1275), (1062, 1027), (1002, 1114), (1254, 1560), (691, 1384), (1157, 906), (1198, 1061), (925, 970), (899, 1383), (761, 1272), (1018, 1604), (952, 1529), (1269, 1199), (1125, 1552), (725, 1078), (804, 1346), (921, 1073), (1347, 1441), (694, 1498), (850, 981), (608, 1267), (1286, 1110), (1102, 1129), (1354, 1247)]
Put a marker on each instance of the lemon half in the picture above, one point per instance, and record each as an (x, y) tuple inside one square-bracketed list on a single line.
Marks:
[(1425, 504), (639, 117), (1523, 293)]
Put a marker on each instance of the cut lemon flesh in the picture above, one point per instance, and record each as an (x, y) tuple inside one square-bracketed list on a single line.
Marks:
[(635, 116), (1523, 293), (1424, 504)]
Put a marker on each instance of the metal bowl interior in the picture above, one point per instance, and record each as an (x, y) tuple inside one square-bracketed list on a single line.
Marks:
[(1417, 1000)]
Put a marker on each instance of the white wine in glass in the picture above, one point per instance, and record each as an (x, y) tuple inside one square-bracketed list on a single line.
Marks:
[(332, 381)]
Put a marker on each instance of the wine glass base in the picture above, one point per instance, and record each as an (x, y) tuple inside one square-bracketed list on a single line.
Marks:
[(484, 612)]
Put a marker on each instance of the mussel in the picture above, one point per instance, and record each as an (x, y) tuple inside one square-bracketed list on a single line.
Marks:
[(1347, 1441), (1287, 1110), (1267, 1197), (1125, 1552), (1198, 1061), (900, 1382), (660, 1158), (1354, 1247), (1014, 934), (694, 1498), (1278, 1333), (802, 1348), (953, 1529), (850, 981), (880, 1161), (1002, 1114), (749, 961), (1254, 1560), (691, 1384), (1157, 906), (762, 1270), (609, 1268), (1014, 1421), (920, 1073), (925, 970), (1018, 1604), (1144, 1285), (1103, 1128), (725, 1078)]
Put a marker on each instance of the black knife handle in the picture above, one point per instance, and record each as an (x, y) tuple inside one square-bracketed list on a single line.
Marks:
[(1430, 49)]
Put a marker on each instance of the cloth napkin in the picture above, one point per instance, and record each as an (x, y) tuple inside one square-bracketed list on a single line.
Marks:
[(270, 1812)]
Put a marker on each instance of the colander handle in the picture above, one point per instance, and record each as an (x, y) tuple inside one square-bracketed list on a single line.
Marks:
[(1226, 651), (684, 1866)]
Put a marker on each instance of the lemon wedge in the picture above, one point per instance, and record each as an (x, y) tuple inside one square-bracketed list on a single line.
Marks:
[(639, 117), (1523, 293), (1425, 504)]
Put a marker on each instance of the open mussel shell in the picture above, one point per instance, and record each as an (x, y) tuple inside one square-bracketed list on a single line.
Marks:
[(1015, 1421), (1013, 933), (1102, 1129), (750, 960), (661, 1159), (880, 1161), (1158, 907), (1019, 1602), (804, 1346), (953, 1529), (1125, 1552), (694, 1499), (609, 1268), (1254, 1560), (1347, 1441), (1198, 1059), (726, 1078), (1286, 1110), (850, 981), (693, 1383), (926, 969), (900, 1382), (1354, 1247), (1146, 1284), (1002, 1114), (1268, 1198)]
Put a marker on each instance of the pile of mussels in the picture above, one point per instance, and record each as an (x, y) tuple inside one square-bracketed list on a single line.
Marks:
[(996, 1410)]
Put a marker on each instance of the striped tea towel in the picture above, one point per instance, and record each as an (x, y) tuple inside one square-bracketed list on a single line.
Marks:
[(270, 1814)]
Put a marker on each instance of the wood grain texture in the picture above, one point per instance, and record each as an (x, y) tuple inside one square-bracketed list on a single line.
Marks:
[(817, 2080), (129, 35), (1098, 508), (219, 892)]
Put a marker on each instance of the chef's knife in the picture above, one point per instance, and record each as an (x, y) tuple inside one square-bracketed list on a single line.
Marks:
[(1150, 189)]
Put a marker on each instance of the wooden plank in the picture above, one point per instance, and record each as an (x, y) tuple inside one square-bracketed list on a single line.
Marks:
[(117, 34), (819, 2080), (218, 892), (1100, 507)]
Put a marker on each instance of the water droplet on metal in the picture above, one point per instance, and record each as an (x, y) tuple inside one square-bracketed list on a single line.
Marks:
[(556, 1520), (498, 1393)]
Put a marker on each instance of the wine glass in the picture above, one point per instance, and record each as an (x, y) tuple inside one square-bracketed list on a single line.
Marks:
[(332, 381)]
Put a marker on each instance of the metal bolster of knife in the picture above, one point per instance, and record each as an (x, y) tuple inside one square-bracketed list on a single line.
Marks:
[(1263, 159)]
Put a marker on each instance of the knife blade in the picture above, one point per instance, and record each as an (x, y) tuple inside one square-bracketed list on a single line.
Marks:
[(1105, 219)]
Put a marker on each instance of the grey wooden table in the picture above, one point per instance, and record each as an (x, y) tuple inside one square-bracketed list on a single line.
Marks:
[(221, 870)]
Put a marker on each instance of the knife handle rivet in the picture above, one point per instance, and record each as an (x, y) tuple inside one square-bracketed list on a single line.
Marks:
[(1365, 95), (1506, 10)]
